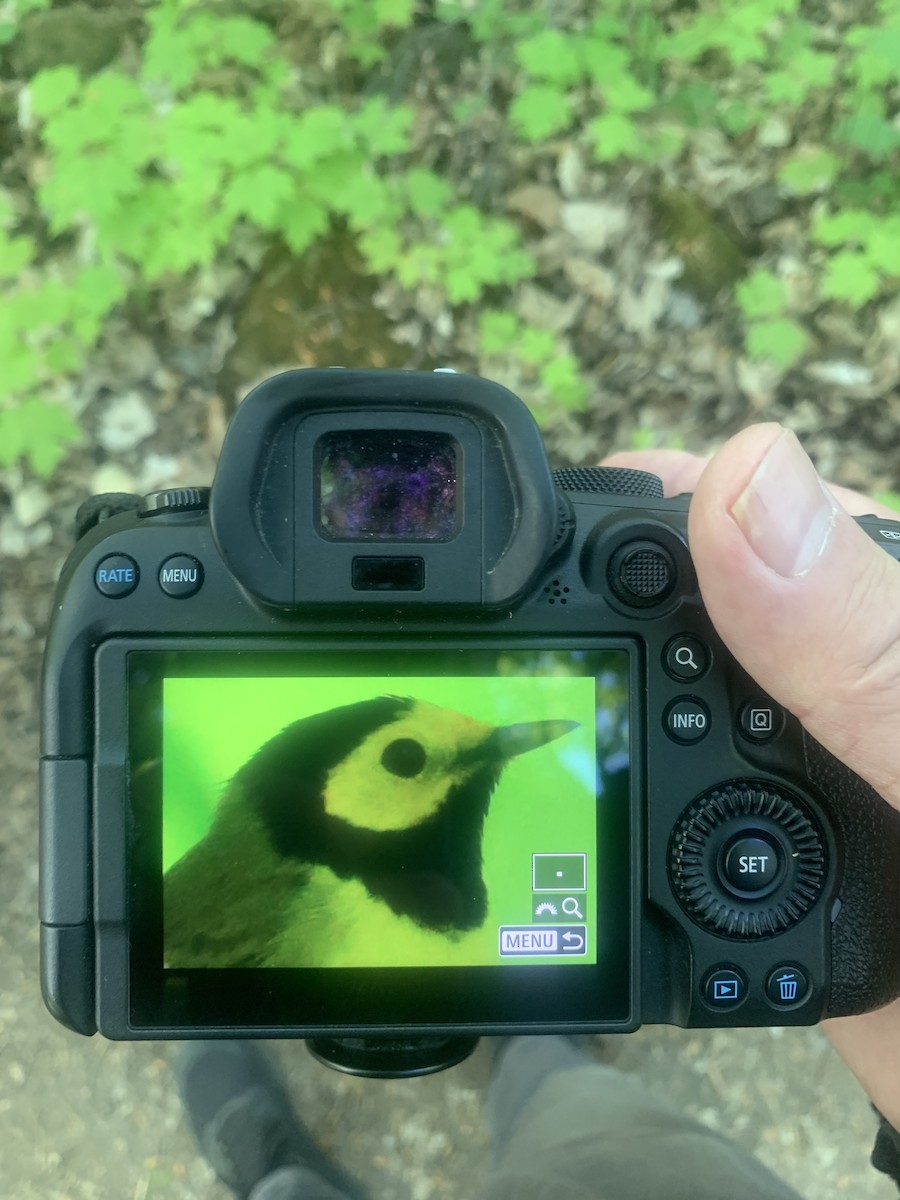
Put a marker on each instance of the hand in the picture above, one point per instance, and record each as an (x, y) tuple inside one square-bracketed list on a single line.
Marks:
[(810, 606)]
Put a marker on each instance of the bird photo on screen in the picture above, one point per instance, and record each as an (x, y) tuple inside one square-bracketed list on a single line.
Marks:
[(353, 837)]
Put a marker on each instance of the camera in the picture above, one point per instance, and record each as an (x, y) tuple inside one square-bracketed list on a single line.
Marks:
[(394, 738)]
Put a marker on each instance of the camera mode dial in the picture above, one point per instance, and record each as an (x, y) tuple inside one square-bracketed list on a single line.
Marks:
[(746, 860), (613, 480)]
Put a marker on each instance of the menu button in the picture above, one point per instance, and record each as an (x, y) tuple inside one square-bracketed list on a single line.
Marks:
[(180, 576)]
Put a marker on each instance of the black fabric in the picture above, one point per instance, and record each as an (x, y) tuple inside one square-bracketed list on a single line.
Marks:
[(886, 1151)]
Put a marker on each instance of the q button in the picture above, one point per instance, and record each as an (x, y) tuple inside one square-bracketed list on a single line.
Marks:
[(685, 657)]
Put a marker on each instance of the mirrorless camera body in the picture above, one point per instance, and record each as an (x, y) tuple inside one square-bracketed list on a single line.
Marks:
[(394, 738)]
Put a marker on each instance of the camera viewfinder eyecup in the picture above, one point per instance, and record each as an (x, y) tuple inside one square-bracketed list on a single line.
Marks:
[(268, 519)]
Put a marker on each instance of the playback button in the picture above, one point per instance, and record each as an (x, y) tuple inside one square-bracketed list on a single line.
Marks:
[(724, 988)]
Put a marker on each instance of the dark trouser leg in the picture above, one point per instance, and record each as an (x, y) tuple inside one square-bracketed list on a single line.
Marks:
[(295, 1183), (567, 1128)]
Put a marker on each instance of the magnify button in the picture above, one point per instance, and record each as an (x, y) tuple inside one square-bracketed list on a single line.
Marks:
[(685, 657), (570, 907)]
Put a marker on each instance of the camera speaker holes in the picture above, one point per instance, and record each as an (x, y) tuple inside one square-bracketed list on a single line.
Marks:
[(556, 593)]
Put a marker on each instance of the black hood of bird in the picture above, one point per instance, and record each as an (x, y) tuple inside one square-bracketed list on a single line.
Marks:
[(430, 871)]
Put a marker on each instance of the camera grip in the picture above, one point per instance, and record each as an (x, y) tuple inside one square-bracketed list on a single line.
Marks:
[(865, 970)]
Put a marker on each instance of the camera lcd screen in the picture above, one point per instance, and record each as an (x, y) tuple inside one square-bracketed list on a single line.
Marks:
[(334, 815), (388, 485)]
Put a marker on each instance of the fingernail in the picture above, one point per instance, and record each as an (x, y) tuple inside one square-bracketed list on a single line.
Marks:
[(785, 512)]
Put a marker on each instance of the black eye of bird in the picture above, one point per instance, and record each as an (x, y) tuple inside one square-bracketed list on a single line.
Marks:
[(404, 757)]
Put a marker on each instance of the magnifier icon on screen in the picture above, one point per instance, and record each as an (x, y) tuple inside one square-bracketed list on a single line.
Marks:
[(570, 906)]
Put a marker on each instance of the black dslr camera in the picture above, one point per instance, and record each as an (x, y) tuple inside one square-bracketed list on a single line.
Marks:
[(393, 738)]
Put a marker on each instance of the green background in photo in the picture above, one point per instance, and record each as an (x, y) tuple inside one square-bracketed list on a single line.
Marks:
[(545, 800)]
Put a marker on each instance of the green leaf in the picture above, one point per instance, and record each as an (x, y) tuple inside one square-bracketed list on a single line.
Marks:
[(837, 229), (604, 61), (692, 103), (812, 169), (428, 193), (879, 190), (22, 369), (260, 194), (52, 90), (37, 431), (761, 294), (303, 222), (739, 116), (381, 247), (536, 345), (315, 133), (625, 94), (540, 111), (381, 129), (498, 331), (850, 276), (877, 61), (783, 342), (16, 253), (562, 380), (659, 144), (883, 245), (64, 355), (613, 134), (551, 55), (869, 131), (396, 13), (805, 72)]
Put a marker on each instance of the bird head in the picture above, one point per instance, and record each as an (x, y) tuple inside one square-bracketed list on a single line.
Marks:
[(392, 791)]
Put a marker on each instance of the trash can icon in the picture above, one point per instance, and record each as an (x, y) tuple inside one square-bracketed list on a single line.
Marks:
[(787, 987)]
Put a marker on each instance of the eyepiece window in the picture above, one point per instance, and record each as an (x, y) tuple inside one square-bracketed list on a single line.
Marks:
[(388, 485)]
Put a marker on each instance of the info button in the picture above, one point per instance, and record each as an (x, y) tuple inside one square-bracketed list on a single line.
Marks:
[(686, 720)]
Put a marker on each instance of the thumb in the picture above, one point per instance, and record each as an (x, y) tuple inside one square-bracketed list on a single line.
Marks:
[(806, 601)]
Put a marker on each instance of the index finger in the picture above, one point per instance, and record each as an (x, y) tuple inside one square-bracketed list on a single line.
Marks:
[(680, 471)]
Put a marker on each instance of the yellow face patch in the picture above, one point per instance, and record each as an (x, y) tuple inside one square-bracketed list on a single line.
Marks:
[(400, 774)]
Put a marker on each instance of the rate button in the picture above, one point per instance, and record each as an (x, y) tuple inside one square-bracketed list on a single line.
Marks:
[(116, 576)]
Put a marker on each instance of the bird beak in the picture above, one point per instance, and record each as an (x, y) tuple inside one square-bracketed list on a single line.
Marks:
[(510, 740)]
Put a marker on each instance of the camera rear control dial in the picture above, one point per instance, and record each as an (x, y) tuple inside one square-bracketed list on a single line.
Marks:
[(746, 860)]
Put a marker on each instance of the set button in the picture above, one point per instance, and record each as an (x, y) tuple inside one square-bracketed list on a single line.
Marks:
[(752, 864)]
